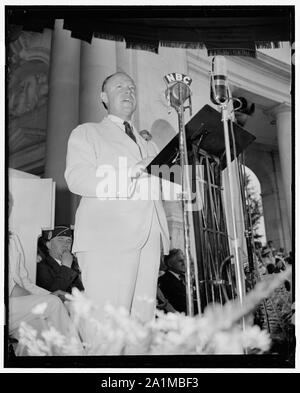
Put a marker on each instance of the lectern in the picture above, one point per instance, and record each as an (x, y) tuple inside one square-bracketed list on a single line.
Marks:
[(206, 157)]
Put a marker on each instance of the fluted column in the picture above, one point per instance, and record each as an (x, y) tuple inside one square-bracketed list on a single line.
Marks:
[(97, 61), (282, 113), (62, 113)]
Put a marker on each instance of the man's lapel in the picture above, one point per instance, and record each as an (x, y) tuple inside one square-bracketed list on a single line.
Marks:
[(120, 136), (53, 264), (142, 144)]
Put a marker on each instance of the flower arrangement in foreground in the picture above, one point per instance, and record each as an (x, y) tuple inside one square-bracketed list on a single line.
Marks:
[(221, 329)]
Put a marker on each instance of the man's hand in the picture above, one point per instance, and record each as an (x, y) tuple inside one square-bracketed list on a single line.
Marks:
[(138, 169), (67, 258), (61, 294)]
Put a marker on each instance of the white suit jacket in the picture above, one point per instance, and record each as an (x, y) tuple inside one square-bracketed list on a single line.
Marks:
[(123, 221), (18, 273)]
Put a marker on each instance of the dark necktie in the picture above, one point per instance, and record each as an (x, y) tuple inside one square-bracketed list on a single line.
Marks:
[(129, 131), (182, 278)]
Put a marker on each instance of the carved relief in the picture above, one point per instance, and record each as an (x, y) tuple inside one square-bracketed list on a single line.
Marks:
[(26, 92), (28, 68), (28, 71), (30, 46)]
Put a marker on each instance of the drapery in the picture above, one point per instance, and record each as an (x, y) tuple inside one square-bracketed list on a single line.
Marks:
[(226, 30)]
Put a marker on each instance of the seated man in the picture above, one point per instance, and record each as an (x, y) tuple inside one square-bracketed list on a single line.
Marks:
[(24, 296), (172, 282), (267, 256), (59, 269), (277, 315), (162, 303)]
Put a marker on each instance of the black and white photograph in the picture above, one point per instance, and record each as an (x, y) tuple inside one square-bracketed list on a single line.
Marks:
[(149, 200)]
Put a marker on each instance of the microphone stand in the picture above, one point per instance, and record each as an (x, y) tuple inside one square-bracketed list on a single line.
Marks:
[(238, 267), (178, 104), (226, 116), (186, 197)]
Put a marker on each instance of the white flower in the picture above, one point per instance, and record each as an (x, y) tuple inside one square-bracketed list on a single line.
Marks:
[(227, 343), (39, 309), (28, 338), (217, 331), (25, 329), (73, 348), (81, 306), (53, 337), (254, 338)]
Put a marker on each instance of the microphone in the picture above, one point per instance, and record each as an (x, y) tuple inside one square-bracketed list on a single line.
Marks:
[(178, 89), (219, 89), (180, 92)]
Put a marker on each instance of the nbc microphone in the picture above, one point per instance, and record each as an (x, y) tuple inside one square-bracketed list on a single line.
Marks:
[(180, 92), (178, 89), (219, 89)]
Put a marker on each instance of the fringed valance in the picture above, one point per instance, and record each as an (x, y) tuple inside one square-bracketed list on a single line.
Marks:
[(231, 30)]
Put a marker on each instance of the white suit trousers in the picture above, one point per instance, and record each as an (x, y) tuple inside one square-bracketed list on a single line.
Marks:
[(125, 278)]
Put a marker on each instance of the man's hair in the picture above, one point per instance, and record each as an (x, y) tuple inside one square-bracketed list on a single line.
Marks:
[(172, 254), (42, 249), (107, 79), (257, 244), (103, 87), (265, 251), (270, 268), (105, 82)]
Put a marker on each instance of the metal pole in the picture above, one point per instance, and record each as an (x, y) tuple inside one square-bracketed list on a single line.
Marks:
[(178, 91), (238, 268), (185, 200)]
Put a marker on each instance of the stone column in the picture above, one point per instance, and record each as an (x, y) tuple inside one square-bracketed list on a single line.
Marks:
[(97, 61), (62, 113), (282, 113)]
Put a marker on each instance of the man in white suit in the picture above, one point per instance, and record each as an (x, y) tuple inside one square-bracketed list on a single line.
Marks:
[(118, 233)]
